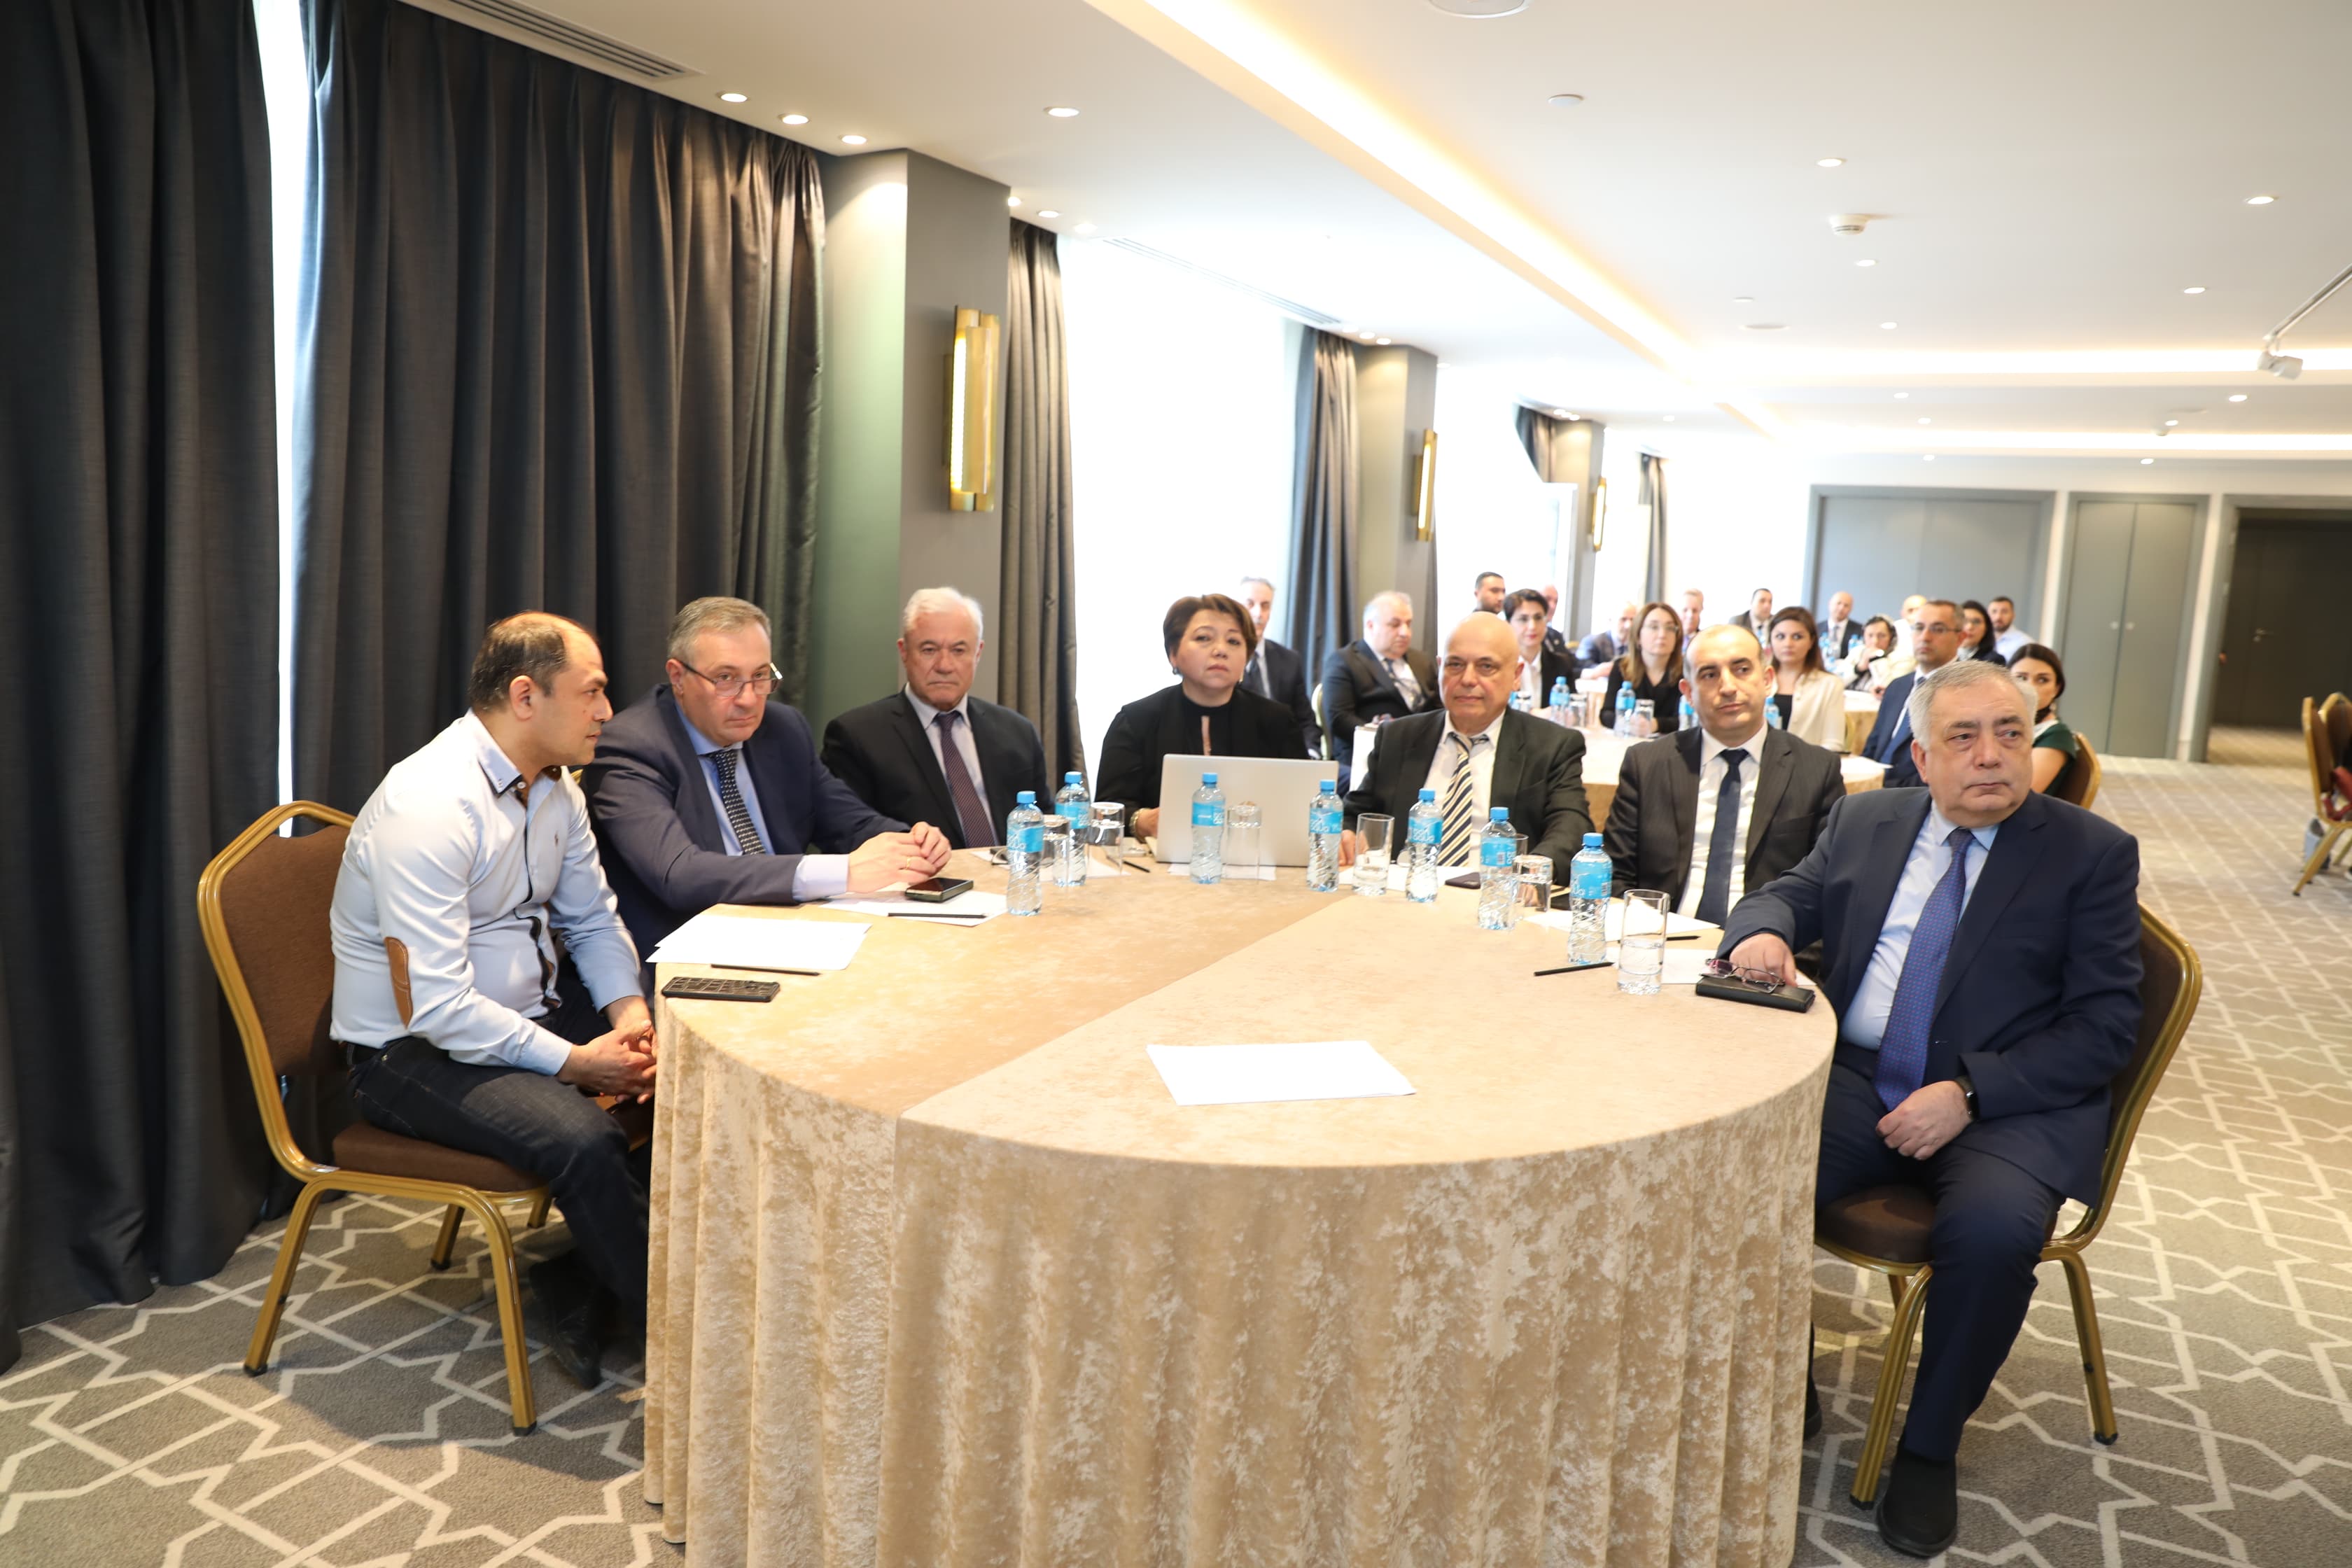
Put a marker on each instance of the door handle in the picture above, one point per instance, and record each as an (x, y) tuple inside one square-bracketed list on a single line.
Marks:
[(2258, 633)]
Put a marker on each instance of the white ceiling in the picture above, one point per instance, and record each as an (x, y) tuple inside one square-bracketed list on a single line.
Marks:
[(2051, 177)]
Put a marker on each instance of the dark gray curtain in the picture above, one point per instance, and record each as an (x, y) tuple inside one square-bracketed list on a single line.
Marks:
[(1036, 630), (1537, 432), (1653, 496), (1323, 612), (139, 574), (561, 353)]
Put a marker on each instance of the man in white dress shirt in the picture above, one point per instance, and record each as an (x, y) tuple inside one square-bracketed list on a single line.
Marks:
[(2006, 636), (462, 1023)]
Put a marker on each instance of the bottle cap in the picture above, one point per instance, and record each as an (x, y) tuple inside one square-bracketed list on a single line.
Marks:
[(1026, 797), (1208, 781), (1074, 778), (1330, 786), (1428, 797), (1498, 814), (1592, 841)]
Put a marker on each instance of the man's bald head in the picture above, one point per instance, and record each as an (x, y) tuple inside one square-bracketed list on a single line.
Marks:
[(1482, 667)]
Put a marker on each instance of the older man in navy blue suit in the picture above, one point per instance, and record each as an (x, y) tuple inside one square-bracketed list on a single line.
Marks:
[(1935, 643), (705, 792), (1982, 945)]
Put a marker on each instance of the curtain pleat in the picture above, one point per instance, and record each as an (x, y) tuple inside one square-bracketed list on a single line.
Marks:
[(1323, 610), (1654, 497), (1036, 630), (562, 355), (139, 565)]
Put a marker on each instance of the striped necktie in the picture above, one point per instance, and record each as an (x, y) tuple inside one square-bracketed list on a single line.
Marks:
[(747, 838), (1461, 814)]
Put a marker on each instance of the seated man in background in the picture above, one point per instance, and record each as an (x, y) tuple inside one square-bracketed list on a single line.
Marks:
[(1488, 592), (1477, 754), (1378, 676), (1277, 671), (2006, 636), (1758, 612), (1694, 619), (461, 1023), (931, 752), (1706, 814), (1554, 638), (1603, 646), (1982, 947), (1935, 643), (706, 792), (1839, 631)]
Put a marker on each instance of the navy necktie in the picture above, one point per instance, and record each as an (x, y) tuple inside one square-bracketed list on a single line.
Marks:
[(1714, 896), (1902, 1048), (1901, 738), (730, 796)]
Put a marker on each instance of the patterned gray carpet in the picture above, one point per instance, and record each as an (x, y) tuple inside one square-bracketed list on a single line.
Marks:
[(379, 1436)]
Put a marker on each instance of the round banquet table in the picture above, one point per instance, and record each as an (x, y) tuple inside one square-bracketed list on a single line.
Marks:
[(1861, 713), (942, 1275)]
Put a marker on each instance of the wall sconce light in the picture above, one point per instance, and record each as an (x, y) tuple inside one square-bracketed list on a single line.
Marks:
[(1425, 488), (971, 412), (1600, 510)]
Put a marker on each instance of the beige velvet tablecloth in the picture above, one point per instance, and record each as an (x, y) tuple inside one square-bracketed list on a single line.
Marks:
[(942, 1275)]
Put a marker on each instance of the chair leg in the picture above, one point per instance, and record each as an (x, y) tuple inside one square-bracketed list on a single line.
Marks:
[(447, 1242), (2319, 856), (539, 1208), (1908, 1301), (281, 1277), (2095, 1354), (523, 1406)]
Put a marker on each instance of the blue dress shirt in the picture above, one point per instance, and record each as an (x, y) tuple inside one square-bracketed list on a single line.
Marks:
[(1930, 858)]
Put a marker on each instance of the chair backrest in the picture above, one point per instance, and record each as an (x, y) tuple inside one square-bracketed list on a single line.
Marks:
[(2171, 980), (2079, 784), (2322, 761), (263, 905), (2336, 720)]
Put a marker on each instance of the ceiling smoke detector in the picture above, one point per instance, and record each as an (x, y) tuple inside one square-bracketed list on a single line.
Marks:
[(1849, 223)]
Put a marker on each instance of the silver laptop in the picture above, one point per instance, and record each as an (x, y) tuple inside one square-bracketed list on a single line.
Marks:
[(1281, 788)]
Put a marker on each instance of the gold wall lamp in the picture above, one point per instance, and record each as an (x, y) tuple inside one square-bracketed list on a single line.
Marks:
[(971, 412), (1600, 510), (1424, 485)]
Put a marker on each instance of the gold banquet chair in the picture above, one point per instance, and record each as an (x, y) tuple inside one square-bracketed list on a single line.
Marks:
[(1885, 1229), (2326, 726), (2080, 786), (263, 904)]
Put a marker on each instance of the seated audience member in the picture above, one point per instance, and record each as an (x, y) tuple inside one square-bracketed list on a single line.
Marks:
[(931, 752), (1653, 668), (1538, 666), (1839, 631), (1976, 633), (1693, 613), (2006, 636), (1904, 619), (1934, 639), (1603, 646), (1810, 699), (1860, 670), (1488, 592), (1477, 754), (1275, 670), (706, 791), (1554, 638), (1758, 612), (1708, 813), (465, 1023), (1981, 946), (1378, 676), (2055, 752), (1207, 713)]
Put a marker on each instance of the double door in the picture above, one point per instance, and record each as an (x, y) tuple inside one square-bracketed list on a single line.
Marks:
[(2126, 626)]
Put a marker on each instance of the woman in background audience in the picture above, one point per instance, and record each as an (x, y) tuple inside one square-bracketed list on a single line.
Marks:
[(1207, 713), (1530, 617), (1811, 700), (2055, 752), (1653, 667), (1976, 633), (1860, 668)]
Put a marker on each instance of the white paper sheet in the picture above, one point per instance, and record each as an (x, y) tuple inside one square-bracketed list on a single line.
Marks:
[(1676, 923), (967, 908), (1247, 1075), (1183, 869), (747, 942)]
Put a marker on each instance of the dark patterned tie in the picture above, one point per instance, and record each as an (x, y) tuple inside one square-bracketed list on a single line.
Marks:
[(979, 832), (1902, 1048), (1722, 843), (747, 838)]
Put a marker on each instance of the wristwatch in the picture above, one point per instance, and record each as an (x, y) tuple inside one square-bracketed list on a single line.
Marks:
[(1968, 1093)]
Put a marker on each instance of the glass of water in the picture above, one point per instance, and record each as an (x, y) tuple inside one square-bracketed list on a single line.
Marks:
[(1374, 834), (1060, 849), (1535, 884), (1106, 833), (1642, 946), (1244, 838)]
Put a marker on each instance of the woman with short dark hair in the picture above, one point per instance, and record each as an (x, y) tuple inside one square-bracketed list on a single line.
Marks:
[(1207, 713), (1976, 633), (1529, 614)]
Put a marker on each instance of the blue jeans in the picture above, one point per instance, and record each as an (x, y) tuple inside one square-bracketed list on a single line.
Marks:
[(532, 1123)]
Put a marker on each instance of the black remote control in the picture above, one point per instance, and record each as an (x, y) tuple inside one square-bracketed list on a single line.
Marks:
[(712, 988)]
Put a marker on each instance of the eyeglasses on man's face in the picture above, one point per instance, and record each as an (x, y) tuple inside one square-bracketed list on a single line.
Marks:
[(732, 685)]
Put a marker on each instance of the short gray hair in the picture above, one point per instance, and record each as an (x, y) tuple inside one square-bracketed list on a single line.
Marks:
[(717, 614), (1259, 581), (933, 601), (1399, 594), (1958, 675)]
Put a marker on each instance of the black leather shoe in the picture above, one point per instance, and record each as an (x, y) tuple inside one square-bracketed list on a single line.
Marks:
[(1812, 1407), (1919, 1511), (573, 1304)]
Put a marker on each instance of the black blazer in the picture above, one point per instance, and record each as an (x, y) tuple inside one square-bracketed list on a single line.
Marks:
[(882, 754), (1150, 729), (1554, 666), (1665, 701), (1357, 689), (1652, 823), (1539, 775), (1902, 772), (658, 831), (1285, 673), (1837, 648), (2039, 999)]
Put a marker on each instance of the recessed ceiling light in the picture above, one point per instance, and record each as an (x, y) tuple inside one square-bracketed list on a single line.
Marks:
[(796, 119), (2144, 462), (2170, 423), (1383, 342), (1829, 163), (1013, 201), (853, 141), (2259, 201), (1085, 228), (734, 98), (1886, 326), (1048, 211), (2199, 289), (1561, 413), (1063, 112), (1866, 261), (1670, 419), (1743, 299), (2236, 397), (1765, 326), (1366, 336), (1478, 10), (1565, 99), (1901, 395), (1925, 420), (1927, 457)]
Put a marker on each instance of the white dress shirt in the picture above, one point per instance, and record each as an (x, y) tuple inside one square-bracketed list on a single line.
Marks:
[(2009, 642), (474, 878), (1482, 771), (816, 876), (1711, 769), (1930, 858), (966, 747)]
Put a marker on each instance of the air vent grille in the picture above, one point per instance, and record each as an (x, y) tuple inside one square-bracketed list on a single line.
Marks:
[(1291, 308), (578, 39)]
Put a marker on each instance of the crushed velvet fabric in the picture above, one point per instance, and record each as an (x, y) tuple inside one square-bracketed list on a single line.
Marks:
[(943, 1275)]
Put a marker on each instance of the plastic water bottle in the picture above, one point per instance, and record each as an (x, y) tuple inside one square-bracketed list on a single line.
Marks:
[(1689, 715), (1587, 903), (1499, 871), (1071, 804), (1024, 847), (1323, 838), (1559, 698), (1424, 840), (1519, 698), (1208, 832), (1625, 708), (1771, 712)]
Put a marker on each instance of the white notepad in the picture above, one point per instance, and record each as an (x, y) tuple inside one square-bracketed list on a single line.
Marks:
[(1244, 1075), (747, 942)]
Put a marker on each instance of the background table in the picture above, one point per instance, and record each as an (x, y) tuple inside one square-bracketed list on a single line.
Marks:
[(1861, 713), (942, 1275)]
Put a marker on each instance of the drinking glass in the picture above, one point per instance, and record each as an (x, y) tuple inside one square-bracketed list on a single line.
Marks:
[(1535, 884), (1060, 850), (1244, 825), (1106, 833), (1642, 945), (1374, 834)]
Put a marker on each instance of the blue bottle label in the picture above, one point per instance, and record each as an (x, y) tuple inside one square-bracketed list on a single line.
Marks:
[(1425, 830), (1073, 811), (1587, 878), (1029, 841), (1208, 814), (1498, 853), (1322, 820)]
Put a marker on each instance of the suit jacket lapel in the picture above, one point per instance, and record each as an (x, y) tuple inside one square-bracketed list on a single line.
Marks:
[(1379, 667), (909, 726), (1502, 784), (694, 805), (1873, 892), (1997, 881), (1413, 761), (1772, 769), (1689, 747)]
